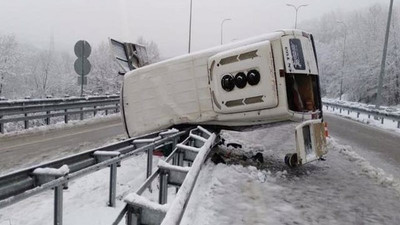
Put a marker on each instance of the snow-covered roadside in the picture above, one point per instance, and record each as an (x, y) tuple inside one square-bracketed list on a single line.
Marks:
[(374, 173), (344, 189), (363, 118), (61, 125), (85, 201)]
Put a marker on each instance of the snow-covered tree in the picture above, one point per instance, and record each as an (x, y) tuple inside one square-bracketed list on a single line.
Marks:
[(8, 59), (104, 76), (363, 53), (153, 53)]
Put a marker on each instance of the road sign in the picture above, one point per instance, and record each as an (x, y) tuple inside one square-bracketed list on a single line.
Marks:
[(82, 49), (82, 66)]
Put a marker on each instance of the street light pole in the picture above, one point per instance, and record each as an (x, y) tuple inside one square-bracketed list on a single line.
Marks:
[(190, 25), (343, 58), (222, 28), (297, 9), (383, 63)]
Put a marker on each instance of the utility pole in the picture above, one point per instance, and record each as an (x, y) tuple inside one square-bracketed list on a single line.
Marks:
[(190, 25), (222, 29), (343, 58), (297, 9), (383, 63)]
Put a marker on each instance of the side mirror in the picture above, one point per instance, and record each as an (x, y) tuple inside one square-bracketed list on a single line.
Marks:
[(310, 143)]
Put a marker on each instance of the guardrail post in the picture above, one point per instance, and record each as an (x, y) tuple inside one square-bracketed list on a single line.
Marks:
[(26, 122), (348, 112), (181, 154), (358, 115), (382, 119), (113, 185), (398, 124), (340, 110), (369, 116), (1, 126), (95, 111), (106, 112), (47, 120), (81, 115), (149, 162), (116, 108), (58, 205), (66, 116), (162, 198)]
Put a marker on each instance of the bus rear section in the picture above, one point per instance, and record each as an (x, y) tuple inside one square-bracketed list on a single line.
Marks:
[(301, 74)]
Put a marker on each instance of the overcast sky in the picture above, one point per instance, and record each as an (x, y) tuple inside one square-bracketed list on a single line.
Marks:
[(164, 21)]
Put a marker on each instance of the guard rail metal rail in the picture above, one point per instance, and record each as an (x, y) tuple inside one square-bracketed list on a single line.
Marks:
[(25, 183), (376, 113), (31, 109), (180, 169)]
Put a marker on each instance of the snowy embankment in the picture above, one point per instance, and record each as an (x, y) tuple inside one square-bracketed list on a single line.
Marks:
[(392, 110), (363, 118), (344, 189)]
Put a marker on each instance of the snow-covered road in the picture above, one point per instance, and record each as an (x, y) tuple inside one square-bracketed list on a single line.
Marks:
[(344, 189), (26, 148)]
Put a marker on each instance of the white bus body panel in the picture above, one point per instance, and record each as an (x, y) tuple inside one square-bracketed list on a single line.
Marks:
[(244, 59), (178, 90)]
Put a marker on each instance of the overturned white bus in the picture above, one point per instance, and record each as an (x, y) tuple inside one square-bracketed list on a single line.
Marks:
[(265, 79)]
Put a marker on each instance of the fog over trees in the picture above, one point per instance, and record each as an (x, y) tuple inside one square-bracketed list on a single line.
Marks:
[(37, 73), (363, 53), (28, 71)]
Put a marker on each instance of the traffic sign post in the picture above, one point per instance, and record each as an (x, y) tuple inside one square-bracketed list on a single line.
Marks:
[(82, 65)]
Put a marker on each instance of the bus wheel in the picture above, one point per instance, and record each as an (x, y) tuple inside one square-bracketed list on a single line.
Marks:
[(291, 160)]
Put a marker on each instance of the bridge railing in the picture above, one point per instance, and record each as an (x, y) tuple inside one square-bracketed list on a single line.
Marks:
[(380, 114), (12, 111)]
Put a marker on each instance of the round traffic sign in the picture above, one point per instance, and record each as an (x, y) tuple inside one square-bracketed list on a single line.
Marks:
[(82, 66), (82, 49)]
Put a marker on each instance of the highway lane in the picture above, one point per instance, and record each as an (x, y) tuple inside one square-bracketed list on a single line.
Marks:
[(25, 150), (380, 147)]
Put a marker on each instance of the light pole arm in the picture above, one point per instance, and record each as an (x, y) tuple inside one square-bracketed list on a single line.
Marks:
[(296, 8)]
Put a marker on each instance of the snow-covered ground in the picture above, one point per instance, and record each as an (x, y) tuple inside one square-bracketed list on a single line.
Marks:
[(344, 189)]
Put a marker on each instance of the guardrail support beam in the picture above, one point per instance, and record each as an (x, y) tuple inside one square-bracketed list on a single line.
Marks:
[(58, 205), (1, 126), (47, 120), (162, 198), (113, 185), (66, 116), (26, 122), (149, 162)]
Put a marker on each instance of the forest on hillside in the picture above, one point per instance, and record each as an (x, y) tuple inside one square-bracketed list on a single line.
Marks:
[(364, 31)]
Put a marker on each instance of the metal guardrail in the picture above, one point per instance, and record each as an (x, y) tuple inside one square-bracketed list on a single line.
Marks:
[(25, 183), (171, 172), (31, 109), (370, 112)]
